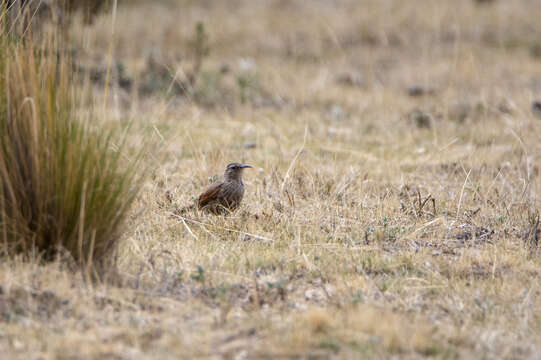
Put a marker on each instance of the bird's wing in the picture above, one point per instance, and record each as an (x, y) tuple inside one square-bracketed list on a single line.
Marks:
[(209, 195)]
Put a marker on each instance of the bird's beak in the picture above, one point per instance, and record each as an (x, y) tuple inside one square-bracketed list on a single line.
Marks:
[(245, 166)]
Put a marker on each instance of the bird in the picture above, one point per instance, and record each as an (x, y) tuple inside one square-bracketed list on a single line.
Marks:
[(223, 197)]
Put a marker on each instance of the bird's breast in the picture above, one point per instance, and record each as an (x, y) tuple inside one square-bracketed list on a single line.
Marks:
[(233, 191)]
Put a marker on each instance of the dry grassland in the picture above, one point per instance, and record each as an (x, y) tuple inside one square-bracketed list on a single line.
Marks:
[(392, 211)]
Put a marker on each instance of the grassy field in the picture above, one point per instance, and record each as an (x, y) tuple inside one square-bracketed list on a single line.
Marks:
[(392, 211)]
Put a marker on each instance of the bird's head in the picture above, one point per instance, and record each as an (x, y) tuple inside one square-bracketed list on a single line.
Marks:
[(233, 171)]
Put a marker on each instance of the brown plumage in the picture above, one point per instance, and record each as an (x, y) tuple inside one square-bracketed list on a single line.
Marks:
[(225, 196)]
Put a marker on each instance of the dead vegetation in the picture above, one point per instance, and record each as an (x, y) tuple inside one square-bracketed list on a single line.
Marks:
[(392, 211)]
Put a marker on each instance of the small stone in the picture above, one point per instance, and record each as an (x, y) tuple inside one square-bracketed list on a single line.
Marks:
[(415, 91), (420, 118), (506, 107), (225, 68), (350, 79), (536, 108)]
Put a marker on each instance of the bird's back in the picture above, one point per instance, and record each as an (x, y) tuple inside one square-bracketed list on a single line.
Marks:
[(221, 197)]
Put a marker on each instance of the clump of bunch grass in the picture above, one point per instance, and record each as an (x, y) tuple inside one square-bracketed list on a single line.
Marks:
[(63, 189)]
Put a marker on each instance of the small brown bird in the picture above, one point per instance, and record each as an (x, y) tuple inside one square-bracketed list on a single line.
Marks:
[(223, 197)]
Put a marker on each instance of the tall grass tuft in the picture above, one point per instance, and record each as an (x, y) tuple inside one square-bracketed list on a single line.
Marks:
[(62, 186)]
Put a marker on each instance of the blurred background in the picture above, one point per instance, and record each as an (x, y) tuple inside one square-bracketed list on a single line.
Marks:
[(296, 54)]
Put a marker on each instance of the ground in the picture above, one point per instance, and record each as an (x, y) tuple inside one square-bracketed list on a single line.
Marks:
[(392, 211)]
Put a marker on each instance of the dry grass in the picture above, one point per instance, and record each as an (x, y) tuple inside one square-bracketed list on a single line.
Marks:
[(375, 223)]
